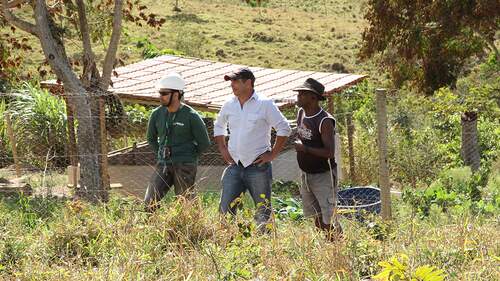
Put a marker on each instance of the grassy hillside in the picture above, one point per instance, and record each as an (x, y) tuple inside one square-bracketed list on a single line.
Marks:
[(308, 35)]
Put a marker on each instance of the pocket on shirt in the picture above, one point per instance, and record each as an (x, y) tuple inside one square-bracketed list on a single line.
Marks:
[(253, 118)]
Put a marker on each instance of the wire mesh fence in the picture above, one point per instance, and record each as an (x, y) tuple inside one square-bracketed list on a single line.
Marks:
[(40, 143)]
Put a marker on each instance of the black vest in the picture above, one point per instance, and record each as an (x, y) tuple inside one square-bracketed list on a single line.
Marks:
[(308, 131)]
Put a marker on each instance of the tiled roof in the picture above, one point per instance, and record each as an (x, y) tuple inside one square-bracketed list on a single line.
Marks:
[(206, 86)]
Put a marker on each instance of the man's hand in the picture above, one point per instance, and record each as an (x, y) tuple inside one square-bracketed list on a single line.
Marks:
[(264, 158), (221, 144), (299, 146), (226, 156)]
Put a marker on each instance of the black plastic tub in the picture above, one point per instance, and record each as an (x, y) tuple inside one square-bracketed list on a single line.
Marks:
[(356, 201)]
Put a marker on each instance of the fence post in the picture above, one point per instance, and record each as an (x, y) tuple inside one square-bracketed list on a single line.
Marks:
[(330, 104), (350, 144), (13, 142), (104, 144), (383, 170), (73, 172)]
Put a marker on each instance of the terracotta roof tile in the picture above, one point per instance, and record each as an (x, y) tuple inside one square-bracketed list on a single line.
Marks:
[(205, 85)]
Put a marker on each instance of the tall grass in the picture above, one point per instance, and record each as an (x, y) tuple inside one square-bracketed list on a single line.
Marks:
[(4, 146), (40, 124), (46, 239)]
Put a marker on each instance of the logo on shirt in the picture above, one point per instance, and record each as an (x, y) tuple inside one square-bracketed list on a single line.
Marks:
[(304, 132), (178, 124)]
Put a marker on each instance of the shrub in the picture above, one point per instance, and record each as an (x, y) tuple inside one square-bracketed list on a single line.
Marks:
[(456, 187), (40, 124), (5, 152), (398, 270), (189, 40), (149, 50)]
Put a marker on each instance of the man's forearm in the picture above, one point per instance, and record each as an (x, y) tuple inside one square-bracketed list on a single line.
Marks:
[(319, 152), (221, 142), (278, 145)]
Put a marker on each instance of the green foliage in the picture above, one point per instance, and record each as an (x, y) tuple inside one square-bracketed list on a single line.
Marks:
[(396, 270), (288, 208), (118, 239), (426, 133), (477, 92), (285, 200), (11, 254), (138, 117), (286, 188), (429, 42), (256, 3), (459, 188), (40, 122), (189, 41), (149, 50), (364, 254), (5, 151)]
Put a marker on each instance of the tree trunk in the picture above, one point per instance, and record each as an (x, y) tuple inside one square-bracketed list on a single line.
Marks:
[(92, 187), (470, 144), (89, 148)]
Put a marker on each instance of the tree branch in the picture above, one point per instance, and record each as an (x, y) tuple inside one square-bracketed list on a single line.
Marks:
[(489, 41), (493, 47), (53, 49), (109, 60), (18, 22), (89, 65)]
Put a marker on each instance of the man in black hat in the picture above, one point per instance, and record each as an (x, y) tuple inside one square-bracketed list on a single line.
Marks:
[(316, 157), (249, 117)]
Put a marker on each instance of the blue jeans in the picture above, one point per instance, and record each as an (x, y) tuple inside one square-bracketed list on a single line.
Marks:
[(257, 179)]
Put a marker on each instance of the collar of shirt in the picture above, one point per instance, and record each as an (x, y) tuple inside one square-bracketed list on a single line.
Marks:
[(250, 127), (254, 96)]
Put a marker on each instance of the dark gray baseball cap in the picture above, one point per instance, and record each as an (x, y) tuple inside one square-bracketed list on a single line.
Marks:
[(242, 73)]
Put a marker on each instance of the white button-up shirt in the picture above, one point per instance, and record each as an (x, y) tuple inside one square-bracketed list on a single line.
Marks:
[(250, 127)]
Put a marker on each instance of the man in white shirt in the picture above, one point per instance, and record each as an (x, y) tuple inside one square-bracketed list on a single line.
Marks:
[(249, 118)]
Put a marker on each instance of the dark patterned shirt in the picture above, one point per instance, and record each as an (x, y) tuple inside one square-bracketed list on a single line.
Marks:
[(309, 132)]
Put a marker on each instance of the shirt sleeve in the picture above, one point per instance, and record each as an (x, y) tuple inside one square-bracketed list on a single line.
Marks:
[(220, 124), (277, 120), (152, 133), (199, 131)]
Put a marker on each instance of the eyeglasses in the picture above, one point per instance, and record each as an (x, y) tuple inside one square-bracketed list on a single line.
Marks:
[(164, 93)]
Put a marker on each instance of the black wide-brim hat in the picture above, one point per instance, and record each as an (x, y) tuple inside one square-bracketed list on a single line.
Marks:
[(314, 86)]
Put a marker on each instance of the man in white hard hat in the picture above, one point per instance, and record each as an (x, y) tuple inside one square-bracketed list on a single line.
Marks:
[(178, 136)]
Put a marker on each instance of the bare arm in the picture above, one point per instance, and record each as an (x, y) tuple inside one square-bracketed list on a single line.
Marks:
[(221, 145), (271, 155), (280, 124), (328, 151)]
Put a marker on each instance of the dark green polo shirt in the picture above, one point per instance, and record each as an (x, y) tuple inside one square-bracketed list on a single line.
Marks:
[(183, 131)]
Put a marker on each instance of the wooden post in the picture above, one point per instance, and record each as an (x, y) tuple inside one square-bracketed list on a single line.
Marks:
[(350, 144), (104, 144), (330, 104), (13, 144), (383, 170), (72, 148)]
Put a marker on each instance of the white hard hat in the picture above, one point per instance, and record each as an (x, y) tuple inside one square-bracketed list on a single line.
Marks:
[(171, 81)]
